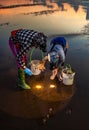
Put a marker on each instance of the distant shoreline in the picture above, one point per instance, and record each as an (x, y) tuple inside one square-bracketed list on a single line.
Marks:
[(72, 34)]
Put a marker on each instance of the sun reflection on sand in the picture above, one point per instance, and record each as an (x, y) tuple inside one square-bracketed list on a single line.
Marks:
[(34, 103)]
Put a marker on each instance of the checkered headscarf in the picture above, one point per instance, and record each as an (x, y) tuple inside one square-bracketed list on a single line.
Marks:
[(28, 39)]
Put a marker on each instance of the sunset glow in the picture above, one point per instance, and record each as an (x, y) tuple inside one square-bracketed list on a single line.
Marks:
[(48, 17), (38, 86), (52, 86)]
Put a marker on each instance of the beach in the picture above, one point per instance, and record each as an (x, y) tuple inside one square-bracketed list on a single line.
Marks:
[(49, 108), (71, 113)]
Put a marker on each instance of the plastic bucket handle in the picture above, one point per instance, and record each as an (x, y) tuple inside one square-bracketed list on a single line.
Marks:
[(32, 50)]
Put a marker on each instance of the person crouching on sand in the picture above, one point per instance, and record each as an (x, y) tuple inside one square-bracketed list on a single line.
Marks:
[(56, 56)]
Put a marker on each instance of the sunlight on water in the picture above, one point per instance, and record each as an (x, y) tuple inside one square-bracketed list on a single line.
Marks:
[(48, 17)]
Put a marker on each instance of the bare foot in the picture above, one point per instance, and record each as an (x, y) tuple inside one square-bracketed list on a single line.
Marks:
[(52, 77), (60, 78)]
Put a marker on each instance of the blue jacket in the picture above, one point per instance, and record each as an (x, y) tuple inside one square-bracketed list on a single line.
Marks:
[(58, 44)]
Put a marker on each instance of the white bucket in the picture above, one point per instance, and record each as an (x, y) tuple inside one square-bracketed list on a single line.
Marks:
[(35, 67), (68, 79)]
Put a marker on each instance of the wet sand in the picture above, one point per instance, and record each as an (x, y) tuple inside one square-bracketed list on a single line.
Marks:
[(26, 109)]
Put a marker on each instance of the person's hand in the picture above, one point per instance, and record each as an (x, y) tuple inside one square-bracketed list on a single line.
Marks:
[(45, 58), (28, 71), (54, 73), (42, 67)]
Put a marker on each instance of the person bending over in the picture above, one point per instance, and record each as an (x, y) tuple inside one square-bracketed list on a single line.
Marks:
[(56, 56), (20, 42)]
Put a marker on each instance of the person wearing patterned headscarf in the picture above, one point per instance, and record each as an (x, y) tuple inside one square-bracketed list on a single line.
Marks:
[(20, 42)]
